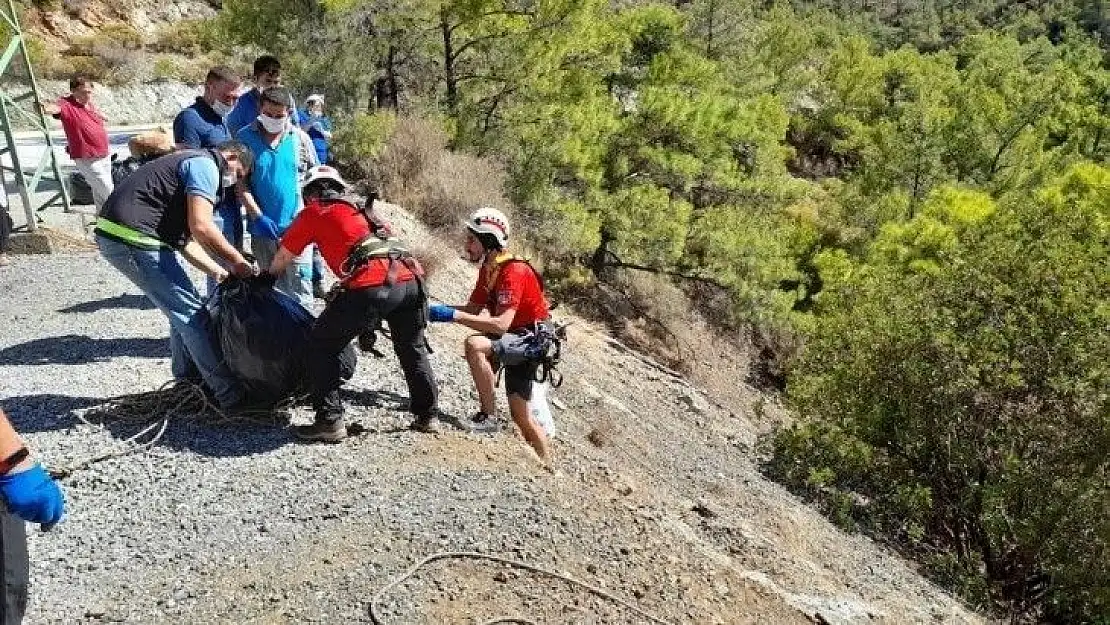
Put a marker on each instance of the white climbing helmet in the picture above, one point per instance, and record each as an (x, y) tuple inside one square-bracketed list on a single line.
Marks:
[(324, 172), (488, 220)]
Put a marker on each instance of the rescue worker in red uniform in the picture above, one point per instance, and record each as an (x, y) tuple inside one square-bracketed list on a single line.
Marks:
[(379, 280), (506, 303)]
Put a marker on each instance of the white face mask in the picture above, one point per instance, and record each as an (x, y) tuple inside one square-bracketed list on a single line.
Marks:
[(273, 125), (228, 180), (222, 109)]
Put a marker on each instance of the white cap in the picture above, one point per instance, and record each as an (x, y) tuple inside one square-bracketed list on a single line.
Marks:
[(316, 97), (324, 172)]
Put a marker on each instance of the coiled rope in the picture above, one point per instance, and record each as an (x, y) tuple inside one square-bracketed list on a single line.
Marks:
[(474, 555), (180, 400)]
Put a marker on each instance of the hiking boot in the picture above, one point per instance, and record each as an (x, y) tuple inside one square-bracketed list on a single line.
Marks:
[(318, 290), (429, 424), (322, 431)]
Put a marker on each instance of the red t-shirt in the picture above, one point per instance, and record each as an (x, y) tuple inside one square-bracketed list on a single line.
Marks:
[(84, 128), (334, 226), (515, 286)]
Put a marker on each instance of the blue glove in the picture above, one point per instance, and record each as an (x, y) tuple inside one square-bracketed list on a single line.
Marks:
[(34, 496), (439, 312), (264, 228)]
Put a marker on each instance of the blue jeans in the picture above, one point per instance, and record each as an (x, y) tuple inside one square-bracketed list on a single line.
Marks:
[(161, 277), (228, 217)]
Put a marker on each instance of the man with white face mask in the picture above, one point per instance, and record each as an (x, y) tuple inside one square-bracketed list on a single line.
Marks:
[(203, 125), (274, 195)]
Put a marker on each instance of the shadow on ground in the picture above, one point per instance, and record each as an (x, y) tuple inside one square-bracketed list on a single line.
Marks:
[(207, 434), (127, 301), (202, 434), (75, 349)]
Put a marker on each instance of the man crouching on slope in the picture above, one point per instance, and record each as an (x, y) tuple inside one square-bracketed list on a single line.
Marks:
[(506, 303)]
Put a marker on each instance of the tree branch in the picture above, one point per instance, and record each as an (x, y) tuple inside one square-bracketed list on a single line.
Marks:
[(613, 260)]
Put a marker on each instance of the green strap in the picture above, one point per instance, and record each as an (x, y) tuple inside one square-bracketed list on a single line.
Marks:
[(130, 236)]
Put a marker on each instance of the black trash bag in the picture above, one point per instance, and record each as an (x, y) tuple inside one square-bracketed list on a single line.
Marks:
[(79, 190), (262, 335), (121, 169)]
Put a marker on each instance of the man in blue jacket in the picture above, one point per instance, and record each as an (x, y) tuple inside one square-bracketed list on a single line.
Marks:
[(318, 126), (203, 125)]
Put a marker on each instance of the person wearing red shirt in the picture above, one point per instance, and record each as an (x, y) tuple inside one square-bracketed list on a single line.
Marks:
[(506, 303), (379, 279), (86, 137)]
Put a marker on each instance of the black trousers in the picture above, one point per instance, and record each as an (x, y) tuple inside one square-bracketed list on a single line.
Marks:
[(15, 570), (403, 307)]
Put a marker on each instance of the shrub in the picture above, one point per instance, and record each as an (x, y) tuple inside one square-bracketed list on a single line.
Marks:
[(166, 68), (46, 61), (92, 66), (190, 37), (956, 395), (413, 145), (358, 141), (454, 185), (110, 38)]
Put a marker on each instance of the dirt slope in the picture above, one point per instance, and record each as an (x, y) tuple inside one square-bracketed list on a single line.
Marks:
[(659, 501)]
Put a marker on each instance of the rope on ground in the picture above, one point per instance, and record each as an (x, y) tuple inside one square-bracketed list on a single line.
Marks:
[(474, 555), (155, 409)]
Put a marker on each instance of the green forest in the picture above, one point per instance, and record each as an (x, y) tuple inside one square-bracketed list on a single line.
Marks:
[(908, 199)]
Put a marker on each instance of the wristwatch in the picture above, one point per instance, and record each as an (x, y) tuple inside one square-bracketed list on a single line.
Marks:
[(9, 463)]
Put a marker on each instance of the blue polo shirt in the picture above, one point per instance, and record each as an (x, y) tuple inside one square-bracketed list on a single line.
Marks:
[(273, 181), (201, 177), (245, 111), (198, 126)]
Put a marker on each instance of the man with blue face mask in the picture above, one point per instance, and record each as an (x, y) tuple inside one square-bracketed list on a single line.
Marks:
[(203, 125), (274, 196)]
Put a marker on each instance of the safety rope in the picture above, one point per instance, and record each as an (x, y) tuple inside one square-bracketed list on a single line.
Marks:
[(176, 399), (474, 555)]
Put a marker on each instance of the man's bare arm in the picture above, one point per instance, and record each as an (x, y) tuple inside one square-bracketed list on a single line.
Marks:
[(198, 257)]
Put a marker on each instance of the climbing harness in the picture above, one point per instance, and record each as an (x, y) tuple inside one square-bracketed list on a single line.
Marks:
[(547, 350), (379, 244)]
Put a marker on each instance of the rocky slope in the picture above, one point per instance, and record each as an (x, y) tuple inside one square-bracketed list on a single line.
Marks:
[(60, 22), (659, 501)]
